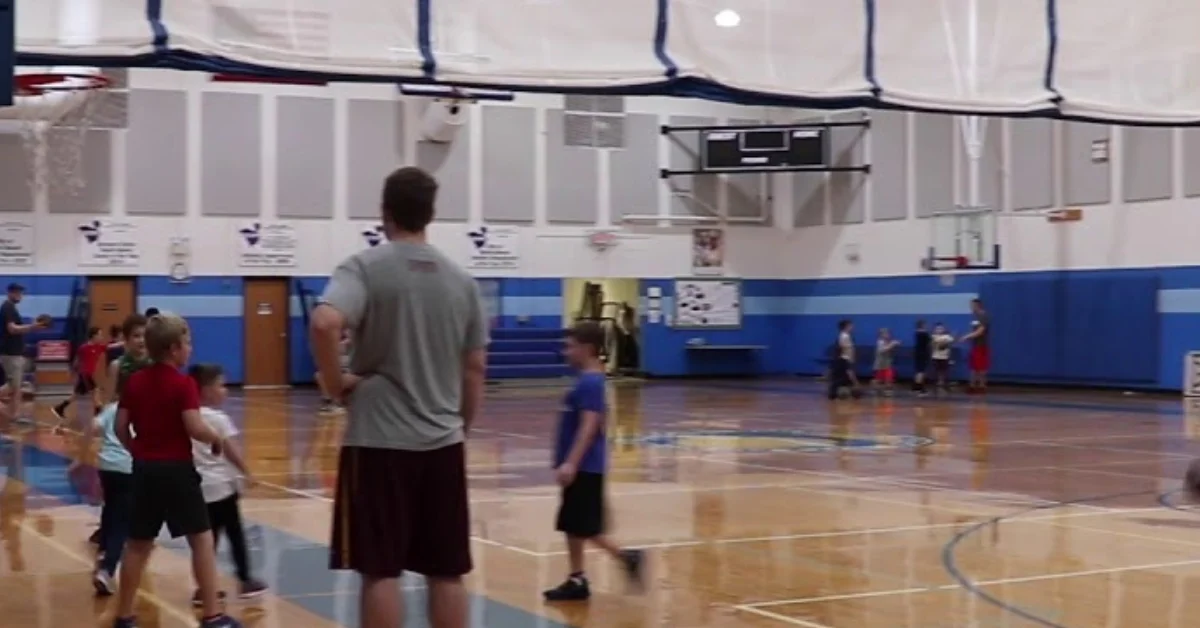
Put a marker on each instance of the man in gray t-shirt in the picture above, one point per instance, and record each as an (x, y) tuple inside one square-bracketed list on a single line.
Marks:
[(414, 387)]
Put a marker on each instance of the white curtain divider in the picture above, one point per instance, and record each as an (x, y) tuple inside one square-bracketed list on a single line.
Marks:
[(799, 48), (965, 55), (1130, 61), (580, 43), (122, 30), (1117, 61)]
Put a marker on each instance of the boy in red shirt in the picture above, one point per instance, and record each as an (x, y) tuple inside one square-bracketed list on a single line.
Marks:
[(87, 359), (162, 406)]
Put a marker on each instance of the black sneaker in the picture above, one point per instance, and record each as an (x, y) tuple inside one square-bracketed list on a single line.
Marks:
[(633, 561), (220, 621), (573, 590), (125, 622), (197, 602)]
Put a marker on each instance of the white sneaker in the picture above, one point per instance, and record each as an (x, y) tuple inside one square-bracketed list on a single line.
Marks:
[(104, 583)]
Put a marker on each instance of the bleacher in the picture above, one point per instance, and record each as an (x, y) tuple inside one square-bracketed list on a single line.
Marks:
[(526, 353)]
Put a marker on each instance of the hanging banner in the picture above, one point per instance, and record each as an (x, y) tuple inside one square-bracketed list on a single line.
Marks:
[(494, 248), (708, 251), (16, 244), (109, 243), (267, 245)]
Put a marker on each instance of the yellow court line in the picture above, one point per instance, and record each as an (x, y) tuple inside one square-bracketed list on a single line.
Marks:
[(186, 617)]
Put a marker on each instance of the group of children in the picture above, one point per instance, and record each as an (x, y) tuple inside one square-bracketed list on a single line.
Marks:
[(931, 351), (166, 457)]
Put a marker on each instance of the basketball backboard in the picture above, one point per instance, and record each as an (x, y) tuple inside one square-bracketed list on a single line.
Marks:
[(8, 50), (963, 238)]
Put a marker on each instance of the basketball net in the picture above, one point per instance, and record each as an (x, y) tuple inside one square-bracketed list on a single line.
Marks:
[(55, 111)]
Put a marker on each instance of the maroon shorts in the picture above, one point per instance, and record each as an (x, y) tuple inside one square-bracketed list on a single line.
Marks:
[(981, 359), (398, 511)]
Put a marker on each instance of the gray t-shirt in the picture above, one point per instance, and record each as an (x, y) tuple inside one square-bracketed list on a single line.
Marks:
[(414, 315), (985, 320)]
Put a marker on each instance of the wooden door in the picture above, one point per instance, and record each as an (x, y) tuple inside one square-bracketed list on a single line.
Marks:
[(110, 300), (266, 320)]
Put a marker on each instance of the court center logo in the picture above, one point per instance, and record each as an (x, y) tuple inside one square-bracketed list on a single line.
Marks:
[(373, 236), (767, 441)]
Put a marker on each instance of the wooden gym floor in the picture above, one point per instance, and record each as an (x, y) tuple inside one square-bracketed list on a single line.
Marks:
[(761, 505)]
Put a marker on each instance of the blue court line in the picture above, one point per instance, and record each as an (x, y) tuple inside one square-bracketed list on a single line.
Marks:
[(814, 390), (301, 574)]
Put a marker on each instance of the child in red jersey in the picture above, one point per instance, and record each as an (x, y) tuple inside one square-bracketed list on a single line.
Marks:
[(161, 406), (87, 360)]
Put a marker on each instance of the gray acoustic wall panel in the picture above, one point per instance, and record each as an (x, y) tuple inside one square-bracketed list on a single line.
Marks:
[(889, 165), (95, 164), (1191, 162), (991, 166), (933, 168), (156, 153), (304, 157), (633, 181), (847, 190), (509, 188), (16, 195), (231, 170), (572, 190), (1086, 181), (1147, 163), (375, 143), (1031, 146), (748, 195), (691, 195)]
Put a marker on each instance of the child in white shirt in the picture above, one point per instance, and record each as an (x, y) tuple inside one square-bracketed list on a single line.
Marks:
[(221, 476), (942, 343)]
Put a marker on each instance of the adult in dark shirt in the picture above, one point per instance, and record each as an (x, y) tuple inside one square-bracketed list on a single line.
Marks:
[(922, 350), (12, 345), (980, 361)]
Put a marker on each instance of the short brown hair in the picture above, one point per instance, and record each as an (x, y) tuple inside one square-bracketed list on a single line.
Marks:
[(132, 323), (163, 333), (588, 333), (206, 374), (409, 196)]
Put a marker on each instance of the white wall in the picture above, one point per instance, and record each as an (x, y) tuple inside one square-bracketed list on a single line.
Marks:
[(1119, 235), (544, 250), (1116, 235)]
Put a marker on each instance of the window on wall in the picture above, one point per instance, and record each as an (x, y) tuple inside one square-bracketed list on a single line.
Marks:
[(594, 121)]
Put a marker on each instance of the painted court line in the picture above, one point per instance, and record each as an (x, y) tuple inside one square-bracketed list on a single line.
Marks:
[(178, 613), (982, 583), (795, 621), (322, 498), (872, 531)]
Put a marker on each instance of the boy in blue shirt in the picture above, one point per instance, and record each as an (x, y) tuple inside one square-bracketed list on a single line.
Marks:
[(580, 461)]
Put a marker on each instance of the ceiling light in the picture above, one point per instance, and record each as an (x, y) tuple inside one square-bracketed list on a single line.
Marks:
[(727, 18)]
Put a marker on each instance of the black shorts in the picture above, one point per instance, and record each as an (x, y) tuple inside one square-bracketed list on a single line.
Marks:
[(398, 511), (941, 367), (582, 512), (84, 385), (167, 492), (920, 363)]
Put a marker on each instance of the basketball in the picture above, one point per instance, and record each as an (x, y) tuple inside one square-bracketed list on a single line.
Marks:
[(1191, 480), (44, 320)]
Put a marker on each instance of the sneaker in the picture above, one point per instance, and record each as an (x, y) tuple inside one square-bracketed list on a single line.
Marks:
[(633, 561), (103, 582), (251, 589), (574, 589), (197, 602), (327, 407), (125, 622), (220, 621)]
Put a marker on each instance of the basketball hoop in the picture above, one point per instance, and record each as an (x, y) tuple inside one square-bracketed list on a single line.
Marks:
[(602, 241), (69, 100)]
